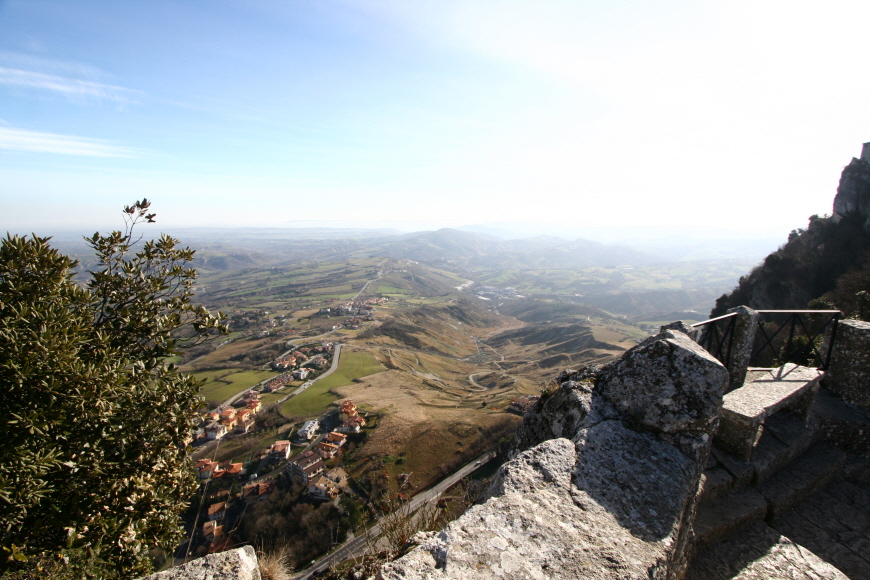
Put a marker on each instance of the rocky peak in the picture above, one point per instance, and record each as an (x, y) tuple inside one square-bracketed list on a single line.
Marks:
[(853, 193)]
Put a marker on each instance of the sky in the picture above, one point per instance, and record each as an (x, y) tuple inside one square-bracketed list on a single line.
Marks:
[(581, 113)]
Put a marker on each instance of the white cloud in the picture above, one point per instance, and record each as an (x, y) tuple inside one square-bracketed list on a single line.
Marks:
[(28, 141), (72, 88)]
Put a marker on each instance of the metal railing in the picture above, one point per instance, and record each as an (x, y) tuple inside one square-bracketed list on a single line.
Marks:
[(803, 345), (806, 342), (717, 336)]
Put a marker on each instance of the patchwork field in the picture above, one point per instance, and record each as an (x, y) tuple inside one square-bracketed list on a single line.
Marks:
[(222, 384), (431, 437)]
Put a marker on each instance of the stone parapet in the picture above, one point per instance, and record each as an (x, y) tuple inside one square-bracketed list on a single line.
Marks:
[(848, 375), (238, 564)]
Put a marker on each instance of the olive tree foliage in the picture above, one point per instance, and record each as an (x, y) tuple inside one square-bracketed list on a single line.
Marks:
[(93, 420)]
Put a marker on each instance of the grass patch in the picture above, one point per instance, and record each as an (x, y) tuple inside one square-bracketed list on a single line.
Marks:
[(317, 397), (223, 384)]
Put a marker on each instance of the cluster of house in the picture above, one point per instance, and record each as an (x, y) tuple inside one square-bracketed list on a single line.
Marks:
[(358, 308), (352, 422), (491, 292), (276, 383), (213, 532), (523, 404), (315, 357), (206, 468), (308, 468), (218, 422)]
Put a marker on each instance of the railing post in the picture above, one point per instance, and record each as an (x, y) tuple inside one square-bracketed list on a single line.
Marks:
[(742, 335)]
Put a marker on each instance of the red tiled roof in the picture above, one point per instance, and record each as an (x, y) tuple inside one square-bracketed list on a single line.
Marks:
[(216, 508)]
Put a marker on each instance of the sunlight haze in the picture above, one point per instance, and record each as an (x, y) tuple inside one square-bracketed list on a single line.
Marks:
[(585, 114)]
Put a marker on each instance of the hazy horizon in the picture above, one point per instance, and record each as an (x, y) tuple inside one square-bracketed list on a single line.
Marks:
[(579, 115)]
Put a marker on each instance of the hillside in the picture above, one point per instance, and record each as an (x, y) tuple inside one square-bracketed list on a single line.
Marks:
[(829, 261)]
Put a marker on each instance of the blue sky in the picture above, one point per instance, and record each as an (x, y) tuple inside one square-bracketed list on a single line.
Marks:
[(592, 113)]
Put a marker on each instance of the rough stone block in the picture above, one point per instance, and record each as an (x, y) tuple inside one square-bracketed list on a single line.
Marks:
[(715, 482), (744, 410), (760, 552), (848, 375), (669, 384), (718, 518), (238, 564), (806, 474)]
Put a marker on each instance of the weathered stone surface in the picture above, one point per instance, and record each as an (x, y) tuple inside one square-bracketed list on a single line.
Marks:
[(809, 472), (238, 564), (846, 426), (562, 413), (603, 480), (724, 515), (669, 384), (853, 193), (740, 345), (848, 375), (679, 326), (744, 410), (761, 553), (533, 528)]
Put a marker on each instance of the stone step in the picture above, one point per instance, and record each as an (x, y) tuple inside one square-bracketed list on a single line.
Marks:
[(765, 392), (835, 524), (785, 436), (720, 517), (760, 553), (811, 471)]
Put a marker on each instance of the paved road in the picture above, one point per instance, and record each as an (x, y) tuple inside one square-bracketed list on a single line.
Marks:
[(357, 546), (335, 356)]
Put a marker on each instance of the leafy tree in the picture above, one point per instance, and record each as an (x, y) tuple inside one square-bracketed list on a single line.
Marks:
[(93, 464)]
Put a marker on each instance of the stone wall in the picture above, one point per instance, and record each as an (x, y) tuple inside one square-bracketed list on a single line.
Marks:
[(848, 375), (603, 479)]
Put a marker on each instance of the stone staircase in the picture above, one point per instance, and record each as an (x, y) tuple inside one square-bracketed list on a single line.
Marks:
[(778, 500)]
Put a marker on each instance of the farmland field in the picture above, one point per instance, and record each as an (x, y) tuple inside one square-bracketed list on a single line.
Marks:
[(223, 384), (317, 397)]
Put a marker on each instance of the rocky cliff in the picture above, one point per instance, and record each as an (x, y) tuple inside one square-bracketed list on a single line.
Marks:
[(819, 261), (603, 479)]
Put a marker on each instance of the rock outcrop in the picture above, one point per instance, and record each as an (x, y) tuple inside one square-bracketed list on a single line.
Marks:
[(238, 564), (603, 479), (853, 193), (813, 260)]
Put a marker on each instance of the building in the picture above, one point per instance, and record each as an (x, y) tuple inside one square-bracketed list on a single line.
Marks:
[(254, 492), (321, 487), (346, 410), (337, 475), (217, 511), (211, 530), (214, 431), (305, 466), (279, 450), (206, 468), (336, 438), (326, 450), (352, 425), (309, 429)]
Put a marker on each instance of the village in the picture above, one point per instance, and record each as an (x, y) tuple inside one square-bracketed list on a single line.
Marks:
[(316, 471)]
